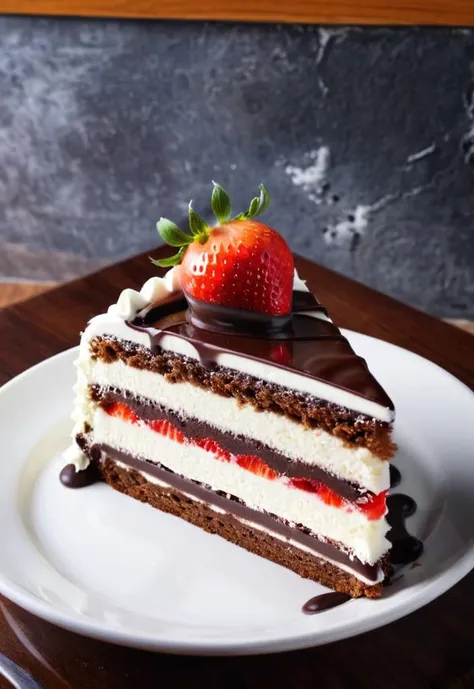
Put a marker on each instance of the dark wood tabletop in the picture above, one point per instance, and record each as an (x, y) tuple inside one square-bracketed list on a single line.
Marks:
[(430, 649)]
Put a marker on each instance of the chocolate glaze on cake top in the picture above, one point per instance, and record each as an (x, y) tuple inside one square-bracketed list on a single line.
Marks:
[(305, 342)]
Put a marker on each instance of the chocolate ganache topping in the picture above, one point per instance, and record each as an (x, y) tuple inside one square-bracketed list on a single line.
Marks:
[(306, 342)]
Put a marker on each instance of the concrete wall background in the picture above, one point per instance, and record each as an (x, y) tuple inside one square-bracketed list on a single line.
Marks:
[(364, 137)]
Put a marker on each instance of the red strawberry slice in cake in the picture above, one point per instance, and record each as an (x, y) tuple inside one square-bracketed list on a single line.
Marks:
[(256, 466), (167, 429), (210, 445), (121, 411)]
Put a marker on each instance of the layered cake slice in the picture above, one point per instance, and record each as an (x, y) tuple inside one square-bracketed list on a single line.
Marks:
[(223, 394)]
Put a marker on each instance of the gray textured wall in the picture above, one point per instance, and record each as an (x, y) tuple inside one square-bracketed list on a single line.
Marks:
[(365, 138)]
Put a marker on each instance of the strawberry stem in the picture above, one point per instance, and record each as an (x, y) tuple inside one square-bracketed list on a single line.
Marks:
[(258, 205), (170, 261), (200, 230)]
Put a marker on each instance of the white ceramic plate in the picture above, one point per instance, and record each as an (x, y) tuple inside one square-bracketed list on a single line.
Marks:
[(101, 564)]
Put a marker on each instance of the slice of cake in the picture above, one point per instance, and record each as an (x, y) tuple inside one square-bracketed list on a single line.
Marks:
[(223, 394)]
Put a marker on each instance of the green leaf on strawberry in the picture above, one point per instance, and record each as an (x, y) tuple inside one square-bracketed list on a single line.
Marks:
[(259, 204), (173, 236), (170, 261), (199, 227), (171, 233), (220, 203)]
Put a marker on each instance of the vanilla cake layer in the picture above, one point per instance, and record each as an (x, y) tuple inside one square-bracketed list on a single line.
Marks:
[(348, 526), (314, 447)]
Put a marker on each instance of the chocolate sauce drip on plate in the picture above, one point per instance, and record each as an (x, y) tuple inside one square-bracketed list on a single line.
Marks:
[(71, 478), (405, 548), (325, 601), (395, 476)]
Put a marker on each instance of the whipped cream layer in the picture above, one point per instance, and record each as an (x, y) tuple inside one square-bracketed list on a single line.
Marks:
[(293, 440), (362, 537)]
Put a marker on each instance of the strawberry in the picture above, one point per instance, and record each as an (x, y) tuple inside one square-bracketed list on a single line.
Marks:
[(306, 484), (329, 497), (373, 509), (121, 411), (324, 493), (167, 429), (256, 466), (211, 446), (240, 262), (376, 507)]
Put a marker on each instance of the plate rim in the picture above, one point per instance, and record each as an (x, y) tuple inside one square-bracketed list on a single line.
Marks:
[(425, 590)]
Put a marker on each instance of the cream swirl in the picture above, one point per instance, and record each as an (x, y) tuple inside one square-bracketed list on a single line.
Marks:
[(129, 303), (299, 285), (155, 290)]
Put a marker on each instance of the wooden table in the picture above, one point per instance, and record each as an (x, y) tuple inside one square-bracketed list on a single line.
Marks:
[(430, 649), (429, 12)]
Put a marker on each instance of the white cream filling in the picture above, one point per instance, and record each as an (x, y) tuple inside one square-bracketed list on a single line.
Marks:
[(259, 527), (292, 439), (365, 538)]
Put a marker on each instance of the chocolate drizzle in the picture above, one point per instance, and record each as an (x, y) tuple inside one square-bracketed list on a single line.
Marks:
[(71, 478), (308, 345), (168, 307), (306, 301), (238, 322), (325, 601), (395, 476), (405, 548), (241, 322)]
